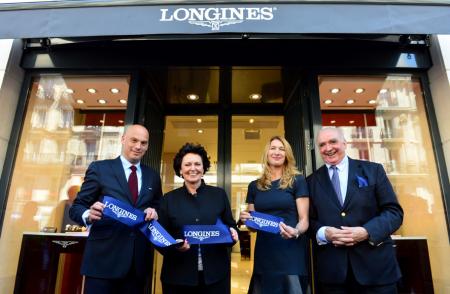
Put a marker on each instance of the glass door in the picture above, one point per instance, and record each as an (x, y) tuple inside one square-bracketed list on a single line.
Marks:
[(249, 136)]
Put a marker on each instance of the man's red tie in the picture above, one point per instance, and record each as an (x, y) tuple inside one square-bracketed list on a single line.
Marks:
[(133, 184)]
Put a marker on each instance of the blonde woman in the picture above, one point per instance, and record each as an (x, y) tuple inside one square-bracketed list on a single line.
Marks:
[(281, 260)]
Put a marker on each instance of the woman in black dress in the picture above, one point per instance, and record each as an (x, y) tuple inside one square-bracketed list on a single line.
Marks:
[(281, 260), (194, 268)]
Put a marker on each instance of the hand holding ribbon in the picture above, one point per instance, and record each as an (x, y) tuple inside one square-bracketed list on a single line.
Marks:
[(264, 222)]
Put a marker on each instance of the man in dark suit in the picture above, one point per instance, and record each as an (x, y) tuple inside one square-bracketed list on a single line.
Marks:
[(353, 212), (118, 258)]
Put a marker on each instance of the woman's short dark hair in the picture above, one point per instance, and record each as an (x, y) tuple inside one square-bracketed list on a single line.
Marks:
[(191, 148)]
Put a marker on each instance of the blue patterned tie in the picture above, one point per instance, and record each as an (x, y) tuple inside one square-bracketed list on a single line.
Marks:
[(336, 184)]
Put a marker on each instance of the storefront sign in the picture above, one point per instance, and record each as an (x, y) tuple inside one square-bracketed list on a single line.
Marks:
[(216, 17)]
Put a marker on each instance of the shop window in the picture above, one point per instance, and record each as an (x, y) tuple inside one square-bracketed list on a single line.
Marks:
[(70, 121), (384, 120), (191, 85), (257, 85)]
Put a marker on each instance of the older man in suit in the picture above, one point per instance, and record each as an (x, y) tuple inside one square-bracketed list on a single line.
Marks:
[(118, 258), (354, 210)]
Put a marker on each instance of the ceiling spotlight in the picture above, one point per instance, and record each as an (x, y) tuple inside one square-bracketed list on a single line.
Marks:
[(200, 131), (333, 121), (114, 90), (372, 101), (328, 101), (335, 90), (120, 121), (102, 121), (255, 96), (351, 121), (79, 101), (252, 120), (101, 101), (92, 90), (350, 101), (199, 120), (123, 101), (382, 91), (69, 91), (359, 90), (193, 97)]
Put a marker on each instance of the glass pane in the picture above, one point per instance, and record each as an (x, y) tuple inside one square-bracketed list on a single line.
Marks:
[(66, 127), (257, 85), (249, 134), (179, 131), (193, 85), (384, 120)]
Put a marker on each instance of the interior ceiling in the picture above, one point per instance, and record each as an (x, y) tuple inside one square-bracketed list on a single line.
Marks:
[(80, 86), (347, 86)]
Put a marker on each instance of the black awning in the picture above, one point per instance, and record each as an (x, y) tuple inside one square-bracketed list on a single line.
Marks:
[(264, 17)]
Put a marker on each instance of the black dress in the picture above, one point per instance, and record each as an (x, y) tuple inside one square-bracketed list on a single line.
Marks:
[(279, 264)]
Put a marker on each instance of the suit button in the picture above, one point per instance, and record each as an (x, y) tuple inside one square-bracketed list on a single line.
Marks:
[(196, 219), (343, 214)]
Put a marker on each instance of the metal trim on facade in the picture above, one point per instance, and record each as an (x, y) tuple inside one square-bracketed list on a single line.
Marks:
[(114, 18)]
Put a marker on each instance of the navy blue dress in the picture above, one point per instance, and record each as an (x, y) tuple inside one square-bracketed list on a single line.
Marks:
[(278, 260)]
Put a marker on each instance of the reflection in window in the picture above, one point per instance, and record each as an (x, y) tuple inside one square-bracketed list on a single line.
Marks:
[(384, 120), (64, 130)]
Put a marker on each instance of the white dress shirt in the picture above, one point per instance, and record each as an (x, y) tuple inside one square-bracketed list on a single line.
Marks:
[(342, 169)]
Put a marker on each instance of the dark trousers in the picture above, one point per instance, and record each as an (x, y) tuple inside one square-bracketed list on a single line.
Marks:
[(131, 284), (220, 287), (352, 286)]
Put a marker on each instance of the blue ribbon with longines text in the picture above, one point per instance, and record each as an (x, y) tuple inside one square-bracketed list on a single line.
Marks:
[(264, 222), (207, 234), (133, 217)]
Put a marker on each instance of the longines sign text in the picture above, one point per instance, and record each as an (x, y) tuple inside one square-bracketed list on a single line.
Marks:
[(216, 17)]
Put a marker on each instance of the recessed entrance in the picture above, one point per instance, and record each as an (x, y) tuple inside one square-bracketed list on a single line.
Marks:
[(232, 112)]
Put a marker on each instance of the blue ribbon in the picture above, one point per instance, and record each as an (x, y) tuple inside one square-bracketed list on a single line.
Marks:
[(207, 234), (133, 217), (264, 222)]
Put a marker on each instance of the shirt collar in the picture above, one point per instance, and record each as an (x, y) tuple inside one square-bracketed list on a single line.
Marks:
[(126, 164), (341, 165)]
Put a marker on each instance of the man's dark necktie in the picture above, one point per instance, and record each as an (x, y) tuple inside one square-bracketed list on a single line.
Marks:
[(133, 184), (336, 184)]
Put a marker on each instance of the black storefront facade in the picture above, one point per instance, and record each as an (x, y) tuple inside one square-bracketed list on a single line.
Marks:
[(310, 65)]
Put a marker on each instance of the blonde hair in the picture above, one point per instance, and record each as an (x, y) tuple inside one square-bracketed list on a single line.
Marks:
[(289, 168)]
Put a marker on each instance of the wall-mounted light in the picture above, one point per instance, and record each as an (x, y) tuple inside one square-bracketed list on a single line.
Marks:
[(351, 121), (200, 131), (252, 120), (199, 120), (333, 121), (120, 121)]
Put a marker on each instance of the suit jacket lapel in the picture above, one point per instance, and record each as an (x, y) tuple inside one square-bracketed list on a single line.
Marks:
[(327, 186), (354, 169), (121, 178)]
